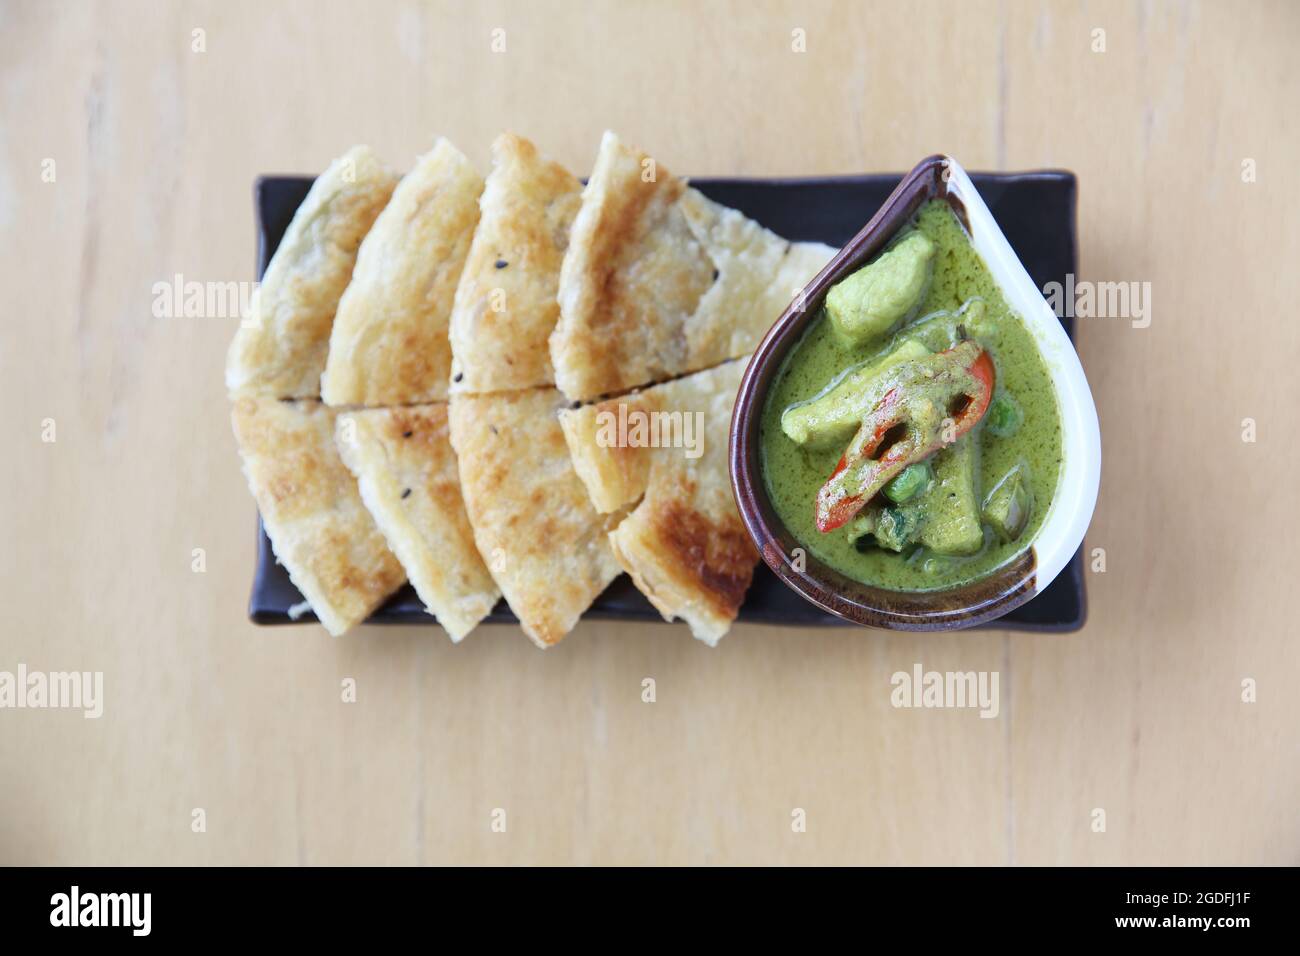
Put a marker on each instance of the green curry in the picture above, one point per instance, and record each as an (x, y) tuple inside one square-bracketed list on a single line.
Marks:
[(911, 439)]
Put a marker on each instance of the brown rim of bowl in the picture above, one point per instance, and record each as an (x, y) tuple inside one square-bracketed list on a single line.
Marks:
[(983, 600)]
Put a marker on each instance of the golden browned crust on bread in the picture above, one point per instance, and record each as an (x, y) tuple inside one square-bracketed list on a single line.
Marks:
[(505, 303), (632, 275), (389, 344), (280, 349), (692, 561), (406, 473), (542, 540), (613, 472), (659, 281), (683, 542), (319, 528)]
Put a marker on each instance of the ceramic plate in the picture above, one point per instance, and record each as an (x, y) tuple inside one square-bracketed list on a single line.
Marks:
[(1036, 212)]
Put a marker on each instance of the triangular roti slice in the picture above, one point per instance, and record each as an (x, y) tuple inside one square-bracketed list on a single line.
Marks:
[(406, 473), (505, 303), (659, 281), (280, 348), (534, 526), (389, 344), (683, 542), (311, 509)]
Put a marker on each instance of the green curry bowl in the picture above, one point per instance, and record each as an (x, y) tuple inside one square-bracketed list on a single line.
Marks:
[(914, 445)]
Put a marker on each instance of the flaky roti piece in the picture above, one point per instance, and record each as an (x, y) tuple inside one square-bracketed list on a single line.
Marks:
[(663, 453), (406, 472), (542, 540), (505, 303), (280, 348), (319, 528), (389, 344), (659, 281)]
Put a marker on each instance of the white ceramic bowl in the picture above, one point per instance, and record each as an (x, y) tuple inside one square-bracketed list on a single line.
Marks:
[(1070, 511)]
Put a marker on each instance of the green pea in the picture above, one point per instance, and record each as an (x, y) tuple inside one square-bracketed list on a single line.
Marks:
[(908, 483), (1004, 416)]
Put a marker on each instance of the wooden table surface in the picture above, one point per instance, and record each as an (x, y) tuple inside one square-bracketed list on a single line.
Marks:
[(1183, 132)]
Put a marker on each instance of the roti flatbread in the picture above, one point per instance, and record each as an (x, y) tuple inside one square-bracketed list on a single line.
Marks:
[(659, 281), (319, 528), (389, 344), (505, 303), (542, 540), (407, 477), (683, 542), (279, 350)]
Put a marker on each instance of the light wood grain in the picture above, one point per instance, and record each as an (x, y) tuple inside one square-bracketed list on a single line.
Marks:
[(1140, 714)]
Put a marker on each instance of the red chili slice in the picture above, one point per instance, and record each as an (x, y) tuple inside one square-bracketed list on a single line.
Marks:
[(964, 371)]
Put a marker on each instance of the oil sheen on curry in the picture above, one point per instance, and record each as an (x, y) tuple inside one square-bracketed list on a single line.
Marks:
[(912, 439)]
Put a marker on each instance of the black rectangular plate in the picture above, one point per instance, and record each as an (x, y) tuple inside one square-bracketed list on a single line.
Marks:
[(1036, 211)]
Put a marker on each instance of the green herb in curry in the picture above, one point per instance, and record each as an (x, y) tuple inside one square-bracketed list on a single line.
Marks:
[(911, 439)]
